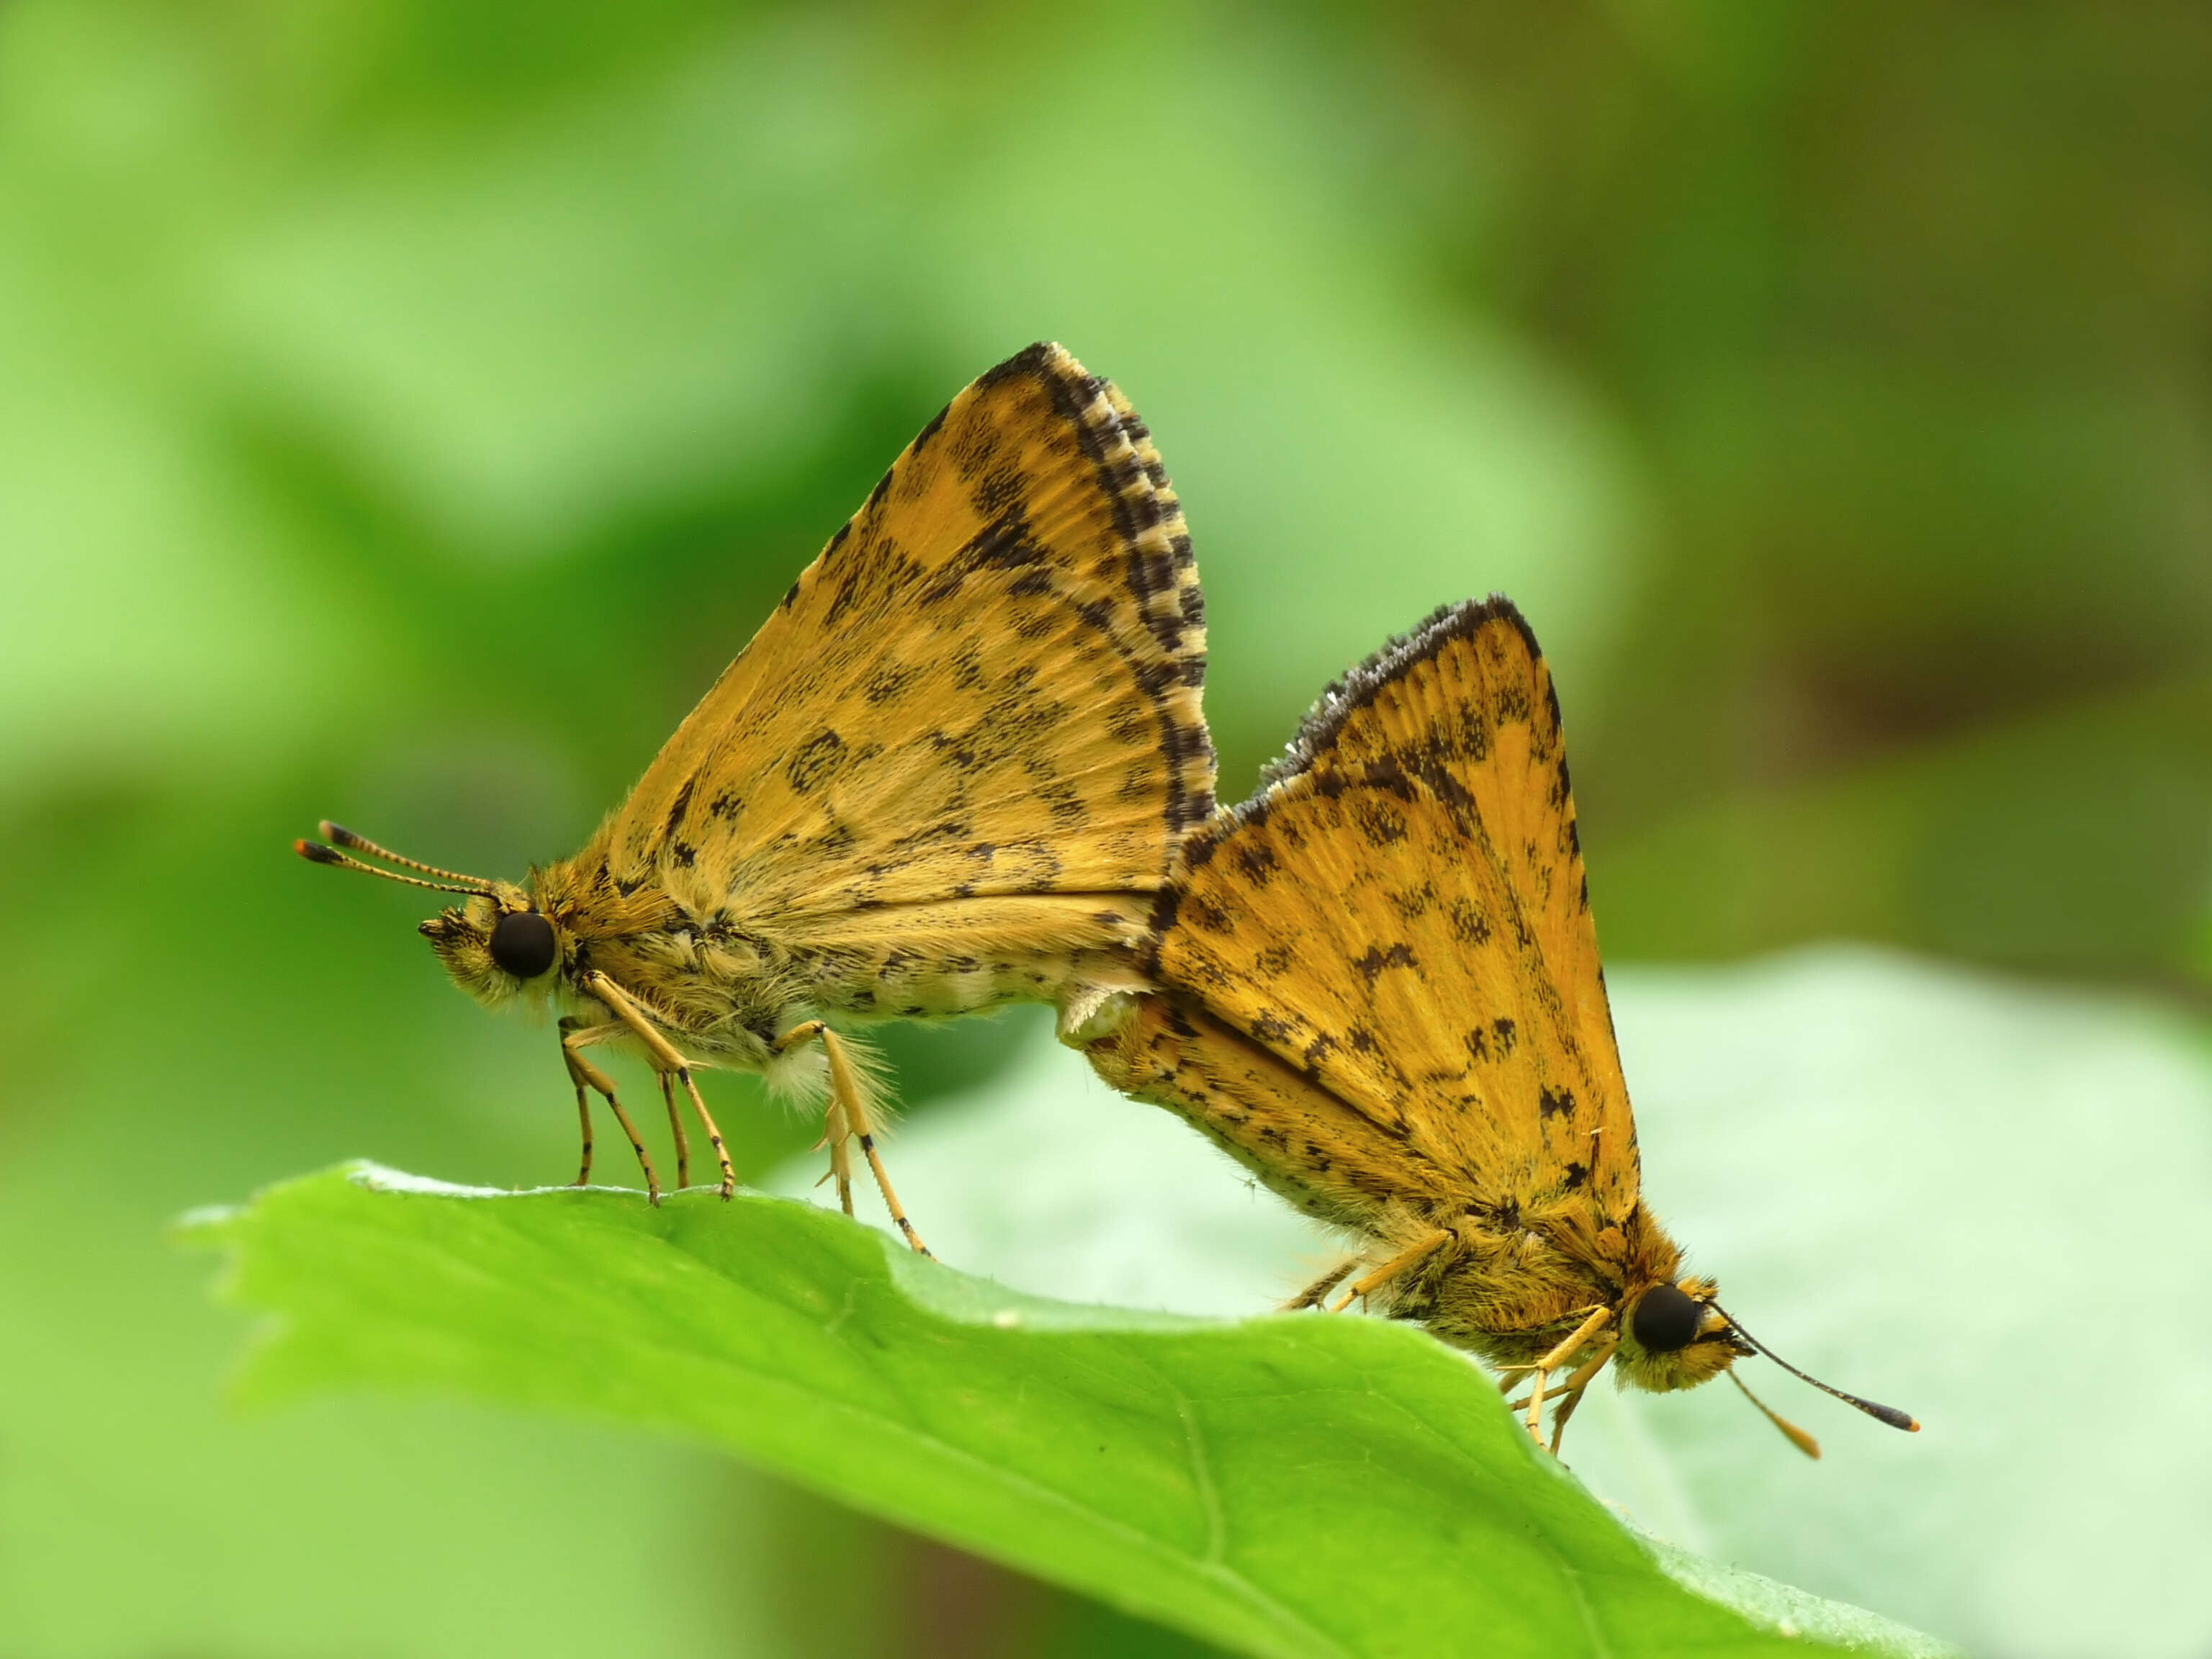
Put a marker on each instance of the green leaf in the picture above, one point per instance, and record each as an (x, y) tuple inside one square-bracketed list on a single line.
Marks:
[(1283, 1486)]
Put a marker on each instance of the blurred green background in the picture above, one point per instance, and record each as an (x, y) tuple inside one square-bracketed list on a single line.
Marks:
[(405, 410)]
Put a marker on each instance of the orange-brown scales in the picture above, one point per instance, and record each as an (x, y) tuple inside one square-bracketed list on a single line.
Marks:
[(949, 771), (1379, 990)]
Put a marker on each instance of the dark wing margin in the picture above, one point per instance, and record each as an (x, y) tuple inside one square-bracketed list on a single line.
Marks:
[(1358, 686), (1161, 568)]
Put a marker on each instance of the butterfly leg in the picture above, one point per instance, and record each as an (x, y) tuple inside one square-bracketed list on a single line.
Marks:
[(575, 1035), (1412, 1257), (665, 1058), (837, 1136), (583, 1119), (1509, 1375), (1599, 1318), (850, 1119), (1571, 1392), (676, 1127), (1315, 1293), (836, 1120)]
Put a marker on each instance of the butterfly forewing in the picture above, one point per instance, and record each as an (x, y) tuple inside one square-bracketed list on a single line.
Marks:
[(986, 689), (1401, 917)]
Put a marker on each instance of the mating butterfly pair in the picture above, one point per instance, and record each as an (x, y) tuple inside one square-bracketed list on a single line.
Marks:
[(964, 763)]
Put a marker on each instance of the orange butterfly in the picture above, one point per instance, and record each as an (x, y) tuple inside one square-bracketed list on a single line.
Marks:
[(949, 772), (1380, 991)]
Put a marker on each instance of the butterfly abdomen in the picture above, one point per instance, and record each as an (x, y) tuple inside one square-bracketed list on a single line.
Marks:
[(922, 961), (1507, 1296)]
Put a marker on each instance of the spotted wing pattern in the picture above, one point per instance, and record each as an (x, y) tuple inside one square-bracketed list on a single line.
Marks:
[(985, 691), (1383, 975)]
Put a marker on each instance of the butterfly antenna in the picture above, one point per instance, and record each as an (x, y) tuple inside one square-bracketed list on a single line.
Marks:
[(346, 838), (315, 852), (1889, 1414), (1798, 1438)]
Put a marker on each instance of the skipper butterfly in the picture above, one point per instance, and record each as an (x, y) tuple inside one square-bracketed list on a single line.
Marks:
[(1378, 989), (949, 772)]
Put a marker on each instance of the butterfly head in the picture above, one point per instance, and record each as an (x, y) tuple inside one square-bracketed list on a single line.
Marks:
[(1672, 1337), (1676, 1336), (497, 944)]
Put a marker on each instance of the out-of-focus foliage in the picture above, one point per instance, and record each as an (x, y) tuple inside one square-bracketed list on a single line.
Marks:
[(406, 409)]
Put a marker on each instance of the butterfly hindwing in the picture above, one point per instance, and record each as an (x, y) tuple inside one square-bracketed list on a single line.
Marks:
[(1307, 1143)]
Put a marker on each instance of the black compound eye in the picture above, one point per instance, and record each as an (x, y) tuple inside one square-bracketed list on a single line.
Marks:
[(1665, 1319), (522, 943)]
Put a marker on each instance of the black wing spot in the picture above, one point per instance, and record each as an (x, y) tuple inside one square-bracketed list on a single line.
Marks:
[(813, 763), (677, 808), (1378, 823), (1467, 923), (1206, 916), (1372, 964), (1257, 863)]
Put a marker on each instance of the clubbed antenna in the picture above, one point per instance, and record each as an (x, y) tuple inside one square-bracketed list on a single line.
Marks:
[(315, 852), (1798, 1438), (1889, 1414), (346, 838)]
